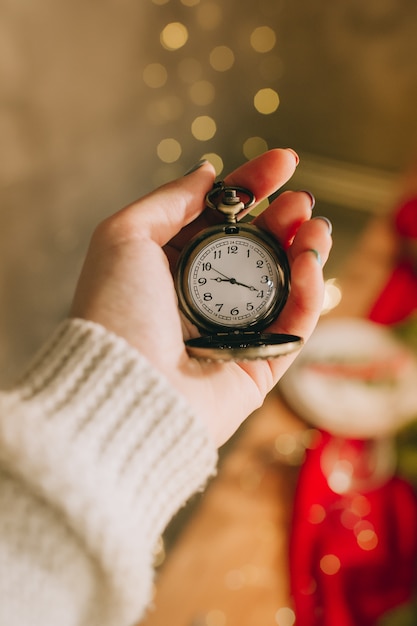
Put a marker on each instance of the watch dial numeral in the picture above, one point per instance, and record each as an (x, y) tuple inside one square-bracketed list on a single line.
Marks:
[(219, 307), (259, 263), (207, 297), (202, 281), (260, 293), (234, 311), (206, 267), (249, 306), (232, 249), (264, 279)]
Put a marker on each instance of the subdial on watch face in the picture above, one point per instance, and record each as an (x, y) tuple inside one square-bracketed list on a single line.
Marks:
[(234, 282)]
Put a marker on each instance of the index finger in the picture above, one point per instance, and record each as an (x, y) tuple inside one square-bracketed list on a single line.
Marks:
[(266, 173), (262, 176)]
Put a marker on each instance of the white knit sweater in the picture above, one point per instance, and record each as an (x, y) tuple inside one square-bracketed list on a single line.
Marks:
[(97, 453)]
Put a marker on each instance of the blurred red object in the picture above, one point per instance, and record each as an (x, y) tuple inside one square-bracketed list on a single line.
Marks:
[(352, 555), (398, 299)]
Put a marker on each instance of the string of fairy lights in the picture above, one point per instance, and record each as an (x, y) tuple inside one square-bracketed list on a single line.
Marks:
[(195, 67), (212, 89)]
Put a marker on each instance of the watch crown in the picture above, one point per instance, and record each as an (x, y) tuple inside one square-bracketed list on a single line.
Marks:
[(231, 205), (230, 197)]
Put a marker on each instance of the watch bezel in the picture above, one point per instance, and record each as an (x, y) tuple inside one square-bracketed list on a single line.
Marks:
[(203, 239)]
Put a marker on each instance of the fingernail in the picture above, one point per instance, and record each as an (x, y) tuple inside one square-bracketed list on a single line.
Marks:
[(317, 255), (310, 195), (196, 166), (325, 219), (295, 155)]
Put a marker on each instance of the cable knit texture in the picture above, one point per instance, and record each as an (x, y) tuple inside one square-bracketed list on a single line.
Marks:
[(97, 453)]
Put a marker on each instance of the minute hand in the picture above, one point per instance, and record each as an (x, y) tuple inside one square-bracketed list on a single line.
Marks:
[(235, 282), (225, 278)]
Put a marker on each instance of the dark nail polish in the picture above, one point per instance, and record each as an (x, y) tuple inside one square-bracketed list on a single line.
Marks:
[(317, 255), (325, 219), (311, 196), (196, 166)]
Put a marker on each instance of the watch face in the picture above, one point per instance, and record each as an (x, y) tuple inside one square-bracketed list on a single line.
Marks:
[(232, 278)]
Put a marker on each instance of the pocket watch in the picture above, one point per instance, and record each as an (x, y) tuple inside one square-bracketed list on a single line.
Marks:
[(232, 280)]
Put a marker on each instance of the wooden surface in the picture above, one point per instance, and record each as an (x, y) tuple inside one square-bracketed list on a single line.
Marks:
[(229, 566)]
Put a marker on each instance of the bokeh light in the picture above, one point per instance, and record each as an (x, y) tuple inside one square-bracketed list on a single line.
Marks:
[(266, 101), (203, 127), (202, 92), (330, 564), (155, 75), (174, 36), (215, 160), (360, 505), (341, 476), (285, 616), (288, 447), (263, 39), (367, 539), (348, 519), (316, 514), (169, 150), (285, 443), (332, 295), (222, 58), (254, 146)]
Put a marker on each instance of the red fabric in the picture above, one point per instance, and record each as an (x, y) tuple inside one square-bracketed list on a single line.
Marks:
[(398, 299), (377, 572), (405, 219)]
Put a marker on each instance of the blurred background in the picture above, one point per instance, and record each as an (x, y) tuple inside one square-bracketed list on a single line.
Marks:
[(101, 101)]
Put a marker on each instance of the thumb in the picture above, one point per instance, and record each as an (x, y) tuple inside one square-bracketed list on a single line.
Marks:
[(162, 213)]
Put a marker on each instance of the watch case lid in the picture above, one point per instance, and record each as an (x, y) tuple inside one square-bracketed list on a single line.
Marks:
[(242, 346)]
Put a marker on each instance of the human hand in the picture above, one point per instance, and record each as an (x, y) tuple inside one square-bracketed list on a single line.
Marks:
[(126, 284)]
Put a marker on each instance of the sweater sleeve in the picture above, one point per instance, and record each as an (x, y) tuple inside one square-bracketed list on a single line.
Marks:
[(97, 453)]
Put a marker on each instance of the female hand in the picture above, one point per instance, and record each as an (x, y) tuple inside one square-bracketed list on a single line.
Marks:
[(126, 284)]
